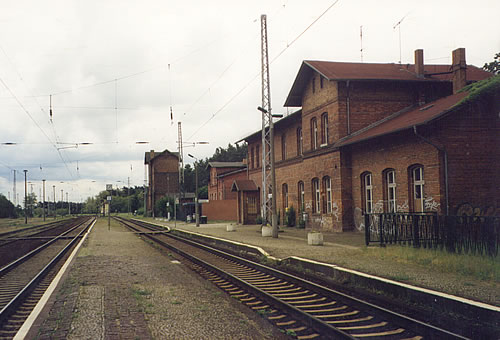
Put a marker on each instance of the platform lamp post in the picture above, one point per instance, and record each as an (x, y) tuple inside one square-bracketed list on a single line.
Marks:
[(43, 204), (55, 207), (196, 208), (25, 198)]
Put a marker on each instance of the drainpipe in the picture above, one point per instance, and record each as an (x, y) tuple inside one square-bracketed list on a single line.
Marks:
[(442, 149), (348, 110)]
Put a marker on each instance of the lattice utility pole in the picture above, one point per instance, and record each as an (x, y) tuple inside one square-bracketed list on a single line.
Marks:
[(268, 178), (181, 166), (181, 158)]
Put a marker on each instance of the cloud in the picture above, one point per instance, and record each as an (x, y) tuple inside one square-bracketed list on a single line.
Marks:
[(75, 50)]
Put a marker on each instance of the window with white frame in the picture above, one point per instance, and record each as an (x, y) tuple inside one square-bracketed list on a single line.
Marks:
[(314, 134), (299, 142), (301, 194), (390, 180), (368, 192), (283, 146), (284, 198), (324, 129), (327, 185), (316, 195), (418, 188)]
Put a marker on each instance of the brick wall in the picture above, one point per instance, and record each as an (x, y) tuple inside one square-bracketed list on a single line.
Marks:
[(163, 174), (472, 140), (399, 152), (224, 210)]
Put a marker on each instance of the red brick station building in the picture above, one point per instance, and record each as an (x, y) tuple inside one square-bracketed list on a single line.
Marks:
[(379, 138)]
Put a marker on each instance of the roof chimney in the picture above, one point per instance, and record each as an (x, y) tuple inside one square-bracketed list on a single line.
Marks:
[(151, 154), (419, 63), (459, 68)]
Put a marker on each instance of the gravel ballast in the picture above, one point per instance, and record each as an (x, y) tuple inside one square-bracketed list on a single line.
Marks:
[(120, 287)]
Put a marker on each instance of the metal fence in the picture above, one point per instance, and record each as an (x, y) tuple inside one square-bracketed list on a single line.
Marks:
[(460, 234)]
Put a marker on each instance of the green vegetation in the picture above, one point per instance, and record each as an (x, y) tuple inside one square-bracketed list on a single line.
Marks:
[(7, 209), (480, 91), (142, 297), (122, 198), (494, 66), (479, 267)]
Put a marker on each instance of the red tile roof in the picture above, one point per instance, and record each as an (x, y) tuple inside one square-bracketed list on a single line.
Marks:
[(244, 185), (404, 119), (339, 71), (368, 71)]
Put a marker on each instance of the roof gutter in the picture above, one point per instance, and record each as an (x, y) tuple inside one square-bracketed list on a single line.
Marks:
[(442, 149)]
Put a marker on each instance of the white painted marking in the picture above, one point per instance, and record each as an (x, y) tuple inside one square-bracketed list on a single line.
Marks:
[(423, 290), (175, 262), (23, 331)]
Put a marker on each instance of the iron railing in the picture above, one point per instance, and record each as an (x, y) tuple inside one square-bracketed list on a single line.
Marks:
[(460, 234)]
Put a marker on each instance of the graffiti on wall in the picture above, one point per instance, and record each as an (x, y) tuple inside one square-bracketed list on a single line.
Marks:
[(468, 209), (378, 207), (403, 207), (335, 211), (430, 204), (359, 220)]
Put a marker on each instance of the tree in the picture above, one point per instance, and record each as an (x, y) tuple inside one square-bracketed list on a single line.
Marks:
[(494, 66), (7, 209)]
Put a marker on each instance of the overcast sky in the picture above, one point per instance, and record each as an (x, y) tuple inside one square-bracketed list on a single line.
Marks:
[(114, 69)]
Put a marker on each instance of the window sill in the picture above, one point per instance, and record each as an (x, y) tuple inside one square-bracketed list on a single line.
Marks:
[(323, 145)]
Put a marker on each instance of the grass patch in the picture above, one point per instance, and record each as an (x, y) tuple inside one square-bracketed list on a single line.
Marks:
[(142, 295), (483, 268)]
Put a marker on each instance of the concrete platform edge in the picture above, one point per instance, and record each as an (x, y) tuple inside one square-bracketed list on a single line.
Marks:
[(439, 301)]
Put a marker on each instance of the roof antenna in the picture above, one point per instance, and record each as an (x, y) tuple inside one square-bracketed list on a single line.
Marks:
[(361, 39), (50, 108), (170, 95), (398, 25)]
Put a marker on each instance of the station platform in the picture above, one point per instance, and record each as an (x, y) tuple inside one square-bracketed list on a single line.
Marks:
[(344, 258), (121, 287)]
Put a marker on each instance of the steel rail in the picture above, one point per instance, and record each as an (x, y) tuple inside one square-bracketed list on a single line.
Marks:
[(411, 324), (10, 308), (4, 270), (403, 320), (308, 320)]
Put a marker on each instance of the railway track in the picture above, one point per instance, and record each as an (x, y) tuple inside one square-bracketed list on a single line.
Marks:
[(23, 281), (298, 307), (16, 243)]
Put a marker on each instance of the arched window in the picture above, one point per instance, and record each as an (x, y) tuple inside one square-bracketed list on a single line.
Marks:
[(252, 158), (283, 146), (417, 182), (301, 195), (257, 155), (314, 134), (316, 195), (389, 177), (284, 194), (324, 129), (299, 142), (327, 190), (367, 191)]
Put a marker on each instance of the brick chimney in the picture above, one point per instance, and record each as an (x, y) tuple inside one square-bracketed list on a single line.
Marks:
[(419, 63), (151, 154), (459, 68)]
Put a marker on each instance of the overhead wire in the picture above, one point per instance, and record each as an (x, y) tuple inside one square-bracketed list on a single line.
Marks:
[(40, 106), (257, 75)]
